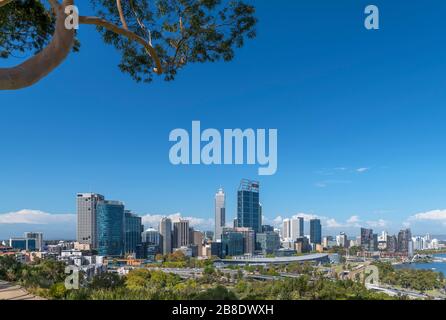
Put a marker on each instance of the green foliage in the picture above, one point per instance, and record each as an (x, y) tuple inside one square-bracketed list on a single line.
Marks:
[(217, 293), (44, 274), (107, 281), (420, 280), (353, 251), (209, 270), (58, 290), (46, 277), (181, 31), (24, 26)]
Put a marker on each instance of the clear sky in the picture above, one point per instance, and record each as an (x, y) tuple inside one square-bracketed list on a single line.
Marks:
[(360, 114)]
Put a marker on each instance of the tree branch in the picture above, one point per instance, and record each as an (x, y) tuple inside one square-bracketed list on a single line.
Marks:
[(127, 33), (40, 65), (5, 2), (121, 14)]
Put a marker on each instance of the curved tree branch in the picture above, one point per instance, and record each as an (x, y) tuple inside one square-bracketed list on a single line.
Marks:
[(5, 2), (127, 33), (40, 65)]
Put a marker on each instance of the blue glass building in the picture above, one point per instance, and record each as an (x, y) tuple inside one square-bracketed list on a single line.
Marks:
[(315, 231), (23, 244), (232, 243), (249, 213), (110, 228), (268, 242), (133, 232)]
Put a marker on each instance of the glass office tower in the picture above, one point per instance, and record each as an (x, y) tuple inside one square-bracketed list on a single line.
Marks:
[(315, 231), (110, 228), (133, 232), (232, 243), (248, 206)]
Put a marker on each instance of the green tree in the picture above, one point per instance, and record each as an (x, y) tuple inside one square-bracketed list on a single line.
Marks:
[(107, 280), (157, 37), (58, 290), (217, 293)]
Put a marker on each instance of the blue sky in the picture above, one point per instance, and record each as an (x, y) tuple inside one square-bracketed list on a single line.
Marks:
[(360, 116)]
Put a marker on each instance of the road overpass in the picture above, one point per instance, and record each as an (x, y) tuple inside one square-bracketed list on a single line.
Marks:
[(317, 257)]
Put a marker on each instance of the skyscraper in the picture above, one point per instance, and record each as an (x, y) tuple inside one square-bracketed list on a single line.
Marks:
[(315, 231), (249, 240), (286, 229), (248, 206), (133, 232), (296, 228), (367, 239), (220, 213), (197, 238), (181, 234), (342, 240), (166, 235), (404, 239), (86, 218), (110, 228)]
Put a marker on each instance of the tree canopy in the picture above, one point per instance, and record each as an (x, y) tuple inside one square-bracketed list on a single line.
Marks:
[(154, 37)]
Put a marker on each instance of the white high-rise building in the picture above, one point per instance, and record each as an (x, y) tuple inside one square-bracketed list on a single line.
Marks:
[(293, 229), (296, 228), (418, 243), (86, 218), (220, 214), (286, 230), (342, 240), (383, 236)]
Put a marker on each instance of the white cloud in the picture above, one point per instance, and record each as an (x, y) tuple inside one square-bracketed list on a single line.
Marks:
[(362, 170), (27, 216), (320, 185), (153, 220), (381, 223), (326, 183), (433, 221), (434, 215), (353, 220), (332, 223), (306, 216), (406, 224)]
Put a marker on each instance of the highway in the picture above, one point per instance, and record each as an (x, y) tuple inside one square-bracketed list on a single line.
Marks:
[(395, 292)]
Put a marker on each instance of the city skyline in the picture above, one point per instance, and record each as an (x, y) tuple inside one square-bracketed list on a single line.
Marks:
[(36, 221), (359, 131)]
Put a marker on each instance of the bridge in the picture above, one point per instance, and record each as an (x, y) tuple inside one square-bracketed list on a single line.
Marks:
[(317, 257), (423, 256)]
